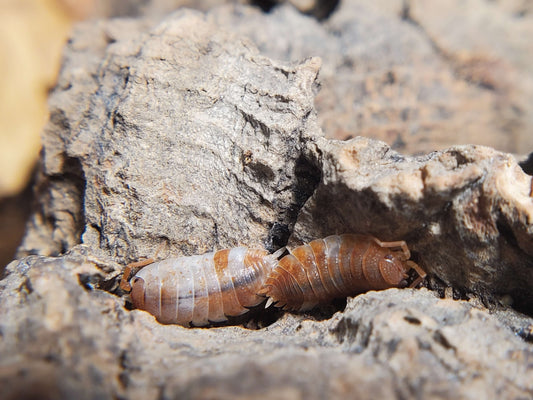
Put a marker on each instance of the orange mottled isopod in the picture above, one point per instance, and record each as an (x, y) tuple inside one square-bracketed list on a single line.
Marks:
[(337, 266)]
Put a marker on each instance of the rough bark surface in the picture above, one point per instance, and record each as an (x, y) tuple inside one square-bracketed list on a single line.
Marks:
[(179, 132), (397, 72), (60, 340), (199, 137), (466, 212)]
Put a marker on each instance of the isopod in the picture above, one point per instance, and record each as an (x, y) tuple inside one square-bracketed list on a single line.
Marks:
[(337, 266), (201, 288), (210, 287)]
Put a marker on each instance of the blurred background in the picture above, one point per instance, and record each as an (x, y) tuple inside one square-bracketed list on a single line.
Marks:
[(487, 43), (32, 34)]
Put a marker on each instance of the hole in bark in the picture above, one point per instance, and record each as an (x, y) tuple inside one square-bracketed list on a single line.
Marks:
[(412, 320), (507, 232), (90, 281), (526, 334), (265, 5), (321, 9), (527, 165), (523, 302), (460, 158)]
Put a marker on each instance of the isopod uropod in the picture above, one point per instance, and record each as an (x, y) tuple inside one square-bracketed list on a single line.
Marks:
[(209, 287)]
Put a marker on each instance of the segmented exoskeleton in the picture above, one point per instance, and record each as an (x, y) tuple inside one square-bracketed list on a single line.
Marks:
[(202, 288), (337, 266), (210, 287)]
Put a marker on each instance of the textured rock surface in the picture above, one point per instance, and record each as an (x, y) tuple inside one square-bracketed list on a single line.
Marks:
[(467, 212), (62, 341), (199, 138), (183, 133)]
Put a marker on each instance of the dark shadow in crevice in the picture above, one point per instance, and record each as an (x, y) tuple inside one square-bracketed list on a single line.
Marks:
[(321, 9), (527, 165), (72, 172), (265, 5), (14, 213), (257, 318), (526, 334), (326, 311), (307, 176), (57, 207)]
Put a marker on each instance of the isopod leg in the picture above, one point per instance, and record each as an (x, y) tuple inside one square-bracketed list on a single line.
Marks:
[(125, 281), (421, 273), (399, 243)]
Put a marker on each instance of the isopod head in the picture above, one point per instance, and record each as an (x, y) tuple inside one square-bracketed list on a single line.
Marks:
[(393, 270)]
